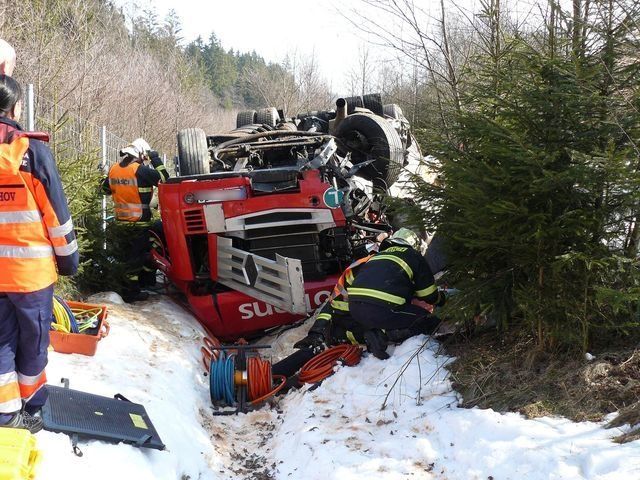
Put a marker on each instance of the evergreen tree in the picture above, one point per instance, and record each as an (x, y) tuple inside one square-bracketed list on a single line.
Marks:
[(540, 187)]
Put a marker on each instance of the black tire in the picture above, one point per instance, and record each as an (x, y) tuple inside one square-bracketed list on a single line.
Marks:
[(246, 118), (393, 110), (193, 152), (373, 102), (268, 116), (369, 137), (353, 103), (288, 126), (252, 128)]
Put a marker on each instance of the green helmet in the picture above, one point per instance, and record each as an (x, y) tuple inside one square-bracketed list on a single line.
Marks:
[(404, 236)]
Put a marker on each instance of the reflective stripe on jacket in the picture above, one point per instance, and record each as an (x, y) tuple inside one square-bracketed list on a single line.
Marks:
[(340, 295), (33, 241), (126, 196), (131, 185), (393, 277)]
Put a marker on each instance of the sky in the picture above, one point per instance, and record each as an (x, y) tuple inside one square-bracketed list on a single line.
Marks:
[(322, 28), (273, 29)]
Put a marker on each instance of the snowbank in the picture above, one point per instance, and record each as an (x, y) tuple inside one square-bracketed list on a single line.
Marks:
[(336, 431), (340, 431), (151, 356)]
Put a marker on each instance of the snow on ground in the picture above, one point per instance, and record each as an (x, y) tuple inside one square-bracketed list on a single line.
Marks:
[(336, 431)]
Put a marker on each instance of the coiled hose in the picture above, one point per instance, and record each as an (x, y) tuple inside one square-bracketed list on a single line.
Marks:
[(260, 380), (321, 366), (73, 320), (221, 379), (64, 319)]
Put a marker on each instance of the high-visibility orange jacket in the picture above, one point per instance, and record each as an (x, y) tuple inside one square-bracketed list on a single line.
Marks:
[(131, 185), (37, 240), (127, 203)]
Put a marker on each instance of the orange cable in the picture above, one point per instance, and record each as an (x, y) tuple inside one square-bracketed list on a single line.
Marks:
[(321, 366), (260, 380), (209, 351)]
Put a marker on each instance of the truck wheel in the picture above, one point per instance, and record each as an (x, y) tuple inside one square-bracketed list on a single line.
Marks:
[(353, 103), (268, 116), (373, 102), (369, 137), (246, 118), (193, 152), (394, 111)]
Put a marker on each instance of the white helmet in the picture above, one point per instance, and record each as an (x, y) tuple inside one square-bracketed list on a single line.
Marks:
[(138, 148)]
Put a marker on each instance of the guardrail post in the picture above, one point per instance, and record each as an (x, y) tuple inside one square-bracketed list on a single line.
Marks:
[(31, 108), (104, 168)]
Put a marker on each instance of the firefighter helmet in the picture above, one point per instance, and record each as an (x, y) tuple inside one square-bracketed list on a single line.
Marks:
[(405, 236), (138, 148)]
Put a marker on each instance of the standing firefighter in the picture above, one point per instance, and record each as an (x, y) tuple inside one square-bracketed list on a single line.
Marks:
[(131, 182), (380, 295), (37, 242)]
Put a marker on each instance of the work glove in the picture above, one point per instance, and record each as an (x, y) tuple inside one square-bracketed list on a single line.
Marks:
[(376, 342), (443, 297), (153, 154), (314, 342)]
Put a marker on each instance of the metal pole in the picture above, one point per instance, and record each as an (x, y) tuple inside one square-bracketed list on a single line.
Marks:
[(31, 109), (104, 166)]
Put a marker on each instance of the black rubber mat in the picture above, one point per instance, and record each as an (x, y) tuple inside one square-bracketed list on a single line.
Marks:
[(93, 416)]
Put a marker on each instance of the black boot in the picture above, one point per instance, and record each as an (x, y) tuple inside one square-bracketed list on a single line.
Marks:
[(26, 421)]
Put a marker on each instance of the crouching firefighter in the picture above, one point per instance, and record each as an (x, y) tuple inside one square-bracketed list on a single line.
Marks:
[(380, 296), (130, 182), (333, 324), (397, 269), (37, 242), (373, 286)]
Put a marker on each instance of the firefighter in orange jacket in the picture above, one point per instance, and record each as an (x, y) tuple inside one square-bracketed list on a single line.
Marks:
[(131, 182), (37, 242)]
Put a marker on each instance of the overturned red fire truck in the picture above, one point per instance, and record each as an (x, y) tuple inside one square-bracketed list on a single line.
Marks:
[(262, 219)]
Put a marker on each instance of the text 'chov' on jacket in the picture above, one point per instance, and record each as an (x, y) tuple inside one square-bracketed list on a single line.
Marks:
[(36, 230)]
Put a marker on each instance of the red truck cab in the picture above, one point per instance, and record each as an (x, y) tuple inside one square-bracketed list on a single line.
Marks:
[(202, 215)]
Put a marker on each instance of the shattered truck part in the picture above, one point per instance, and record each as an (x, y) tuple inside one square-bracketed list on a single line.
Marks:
[(262, 219)]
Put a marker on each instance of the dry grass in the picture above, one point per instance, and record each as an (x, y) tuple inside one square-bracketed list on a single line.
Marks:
[(513, 375)]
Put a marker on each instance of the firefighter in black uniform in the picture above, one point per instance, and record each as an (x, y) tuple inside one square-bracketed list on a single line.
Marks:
[(131, 183), (371, 303), (333, 323), (380, 297)]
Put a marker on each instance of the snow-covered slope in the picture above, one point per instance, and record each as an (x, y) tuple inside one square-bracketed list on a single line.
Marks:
[(337, 431)]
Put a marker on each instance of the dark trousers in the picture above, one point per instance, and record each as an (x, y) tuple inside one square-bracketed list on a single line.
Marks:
[(132, 247), (25, 319), (397, 321)]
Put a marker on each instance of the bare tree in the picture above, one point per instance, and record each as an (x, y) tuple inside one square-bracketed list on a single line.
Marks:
[(295, 85), (361, 75)]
